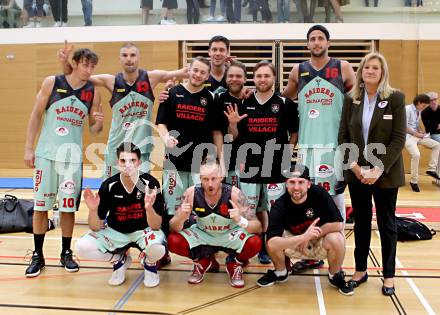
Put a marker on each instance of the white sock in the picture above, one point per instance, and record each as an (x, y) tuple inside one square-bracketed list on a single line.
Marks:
[(281, 273)]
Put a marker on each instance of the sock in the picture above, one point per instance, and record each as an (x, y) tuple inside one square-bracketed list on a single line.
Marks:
[(66, 242), (281, 273), (38, 243), (330, 275)]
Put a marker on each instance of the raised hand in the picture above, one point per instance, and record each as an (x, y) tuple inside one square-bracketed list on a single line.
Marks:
[(150, 197), (184, 210), (63, 53), (234, 213), (232, 114), (99, 114), (91, 199), (313, 231), (170, 141)]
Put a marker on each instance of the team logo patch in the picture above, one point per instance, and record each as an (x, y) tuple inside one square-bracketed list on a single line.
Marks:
[(310, 213), (224, 211), (318, 81), (68, 187), (324, 171), (40, 203), (138, 195), (313, 113), (203, 101), (382, 104), (274, 189), (127, 125), (62, 131), (275, 108)]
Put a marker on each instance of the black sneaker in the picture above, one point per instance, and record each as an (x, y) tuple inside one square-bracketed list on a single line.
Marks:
[(305, 264), (414, 187), (67, 261), (36, 265), (432, 174), (338, 281), (270, 278), (264, 258)]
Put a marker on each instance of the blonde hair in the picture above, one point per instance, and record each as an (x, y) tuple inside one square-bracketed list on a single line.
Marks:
[(384, 89)]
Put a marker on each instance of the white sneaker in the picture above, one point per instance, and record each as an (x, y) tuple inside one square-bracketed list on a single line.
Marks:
[(163, 22), (172, 22), (151, 277), (37, 24), (209, 19), (118, 274), (220, 18), (57, 24), (64, 24), (31, 24)]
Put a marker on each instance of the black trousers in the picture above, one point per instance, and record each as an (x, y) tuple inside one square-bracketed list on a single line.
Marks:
[(192, 11), (385, 201), (59, 10)]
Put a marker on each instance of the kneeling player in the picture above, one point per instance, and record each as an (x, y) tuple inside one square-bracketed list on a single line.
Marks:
[(223, 222), (132, 205)]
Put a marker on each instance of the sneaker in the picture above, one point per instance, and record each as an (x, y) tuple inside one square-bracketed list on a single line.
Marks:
[(303, 265), (199, 270), (36, 265), (163, 22), (209, 19), (119, 268), (432, 174), (264, 258), (57, 24), (338, 281), (151, 277), (172, 22), (414, 187), (64, 24), (270, 278), (67, 261), (220, 18), (235, 272), (37, 24)]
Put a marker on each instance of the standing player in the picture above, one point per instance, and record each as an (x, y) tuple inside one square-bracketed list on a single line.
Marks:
[(66, 101), (132, 204), (223, 222), (131, 102), (264, 128), (230, 103), (187, 122), (320, 84), (218, 51)]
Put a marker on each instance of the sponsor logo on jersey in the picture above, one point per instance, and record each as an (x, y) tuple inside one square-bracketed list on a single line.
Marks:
[(40, 203), (275, 108), (251, 108), (38, 178), (180, 95), (120, 90), (61, 91), (171, 183), (303, 74), (324, 171), (274, 189), (236, 235), (310, 213), (68, 187), (203, 101), (199, 209), (62, 131), (313, 113), (127, 125), (119, 196)]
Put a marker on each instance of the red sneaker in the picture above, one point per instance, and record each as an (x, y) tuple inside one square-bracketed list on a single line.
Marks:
[(235, 272), (200, 268)]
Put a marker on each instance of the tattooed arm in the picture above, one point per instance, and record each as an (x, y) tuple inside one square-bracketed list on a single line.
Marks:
[(242, 210)]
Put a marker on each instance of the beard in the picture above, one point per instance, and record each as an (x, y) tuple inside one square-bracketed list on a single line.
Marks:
[(264, 89), (320, 54)]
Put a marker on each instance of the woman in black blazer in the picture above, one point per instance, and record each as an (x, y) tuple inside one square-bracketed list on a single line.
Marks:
[(373, 126)]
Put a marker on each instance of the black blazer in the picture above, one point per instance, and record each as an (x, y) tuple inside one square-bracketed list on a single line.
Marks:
[(388, 126)]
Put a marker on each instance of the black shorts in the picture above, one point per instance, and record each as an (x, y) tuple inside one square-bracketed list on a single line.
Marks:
[(147, 3), (170, 4)]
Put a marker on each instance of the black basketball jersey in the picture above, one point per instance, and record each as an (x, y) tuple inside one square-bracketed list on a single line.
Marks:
[(62, 90), (331, 72), (141, 86), (221, 208), (216, 86), (125, 211)]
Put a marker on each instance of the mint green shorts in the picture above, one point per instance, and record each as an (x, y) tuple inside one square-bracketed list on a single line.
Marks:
[(174, 185), (261, 197)]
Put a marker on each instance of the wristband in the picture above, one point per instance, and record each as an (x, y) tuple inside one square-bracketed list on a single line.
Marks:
[(243, 222)]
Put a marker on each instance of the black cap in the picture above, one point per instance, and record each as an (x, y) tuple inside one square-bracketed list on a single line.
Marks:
[(318, 27), (297, 171)]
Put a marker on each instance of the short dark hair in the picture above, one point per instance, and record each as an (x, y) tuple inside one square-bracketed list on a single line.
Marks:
[(86, 55), (219, 38), (318, 27), (238, 64), (128, 147), (202, 60), (421, 98), (265, 63)]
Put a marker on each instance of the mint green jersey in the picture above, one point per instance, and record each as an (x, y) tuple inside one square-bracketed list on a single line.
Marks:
[(132, 107), (62, 131)]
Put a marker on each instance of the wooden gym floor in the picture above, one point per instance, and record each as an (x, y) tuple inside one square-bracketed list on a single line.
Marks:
[(56, 291)]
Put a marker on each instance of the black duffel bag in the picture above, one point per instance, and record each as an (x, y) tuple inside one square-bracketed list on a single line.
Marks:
[(16, 215), (409, 229)]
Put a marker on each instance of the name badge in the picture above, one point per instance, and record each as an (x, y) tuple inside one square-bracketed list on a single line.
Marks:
[(383, 104), (388, 117)]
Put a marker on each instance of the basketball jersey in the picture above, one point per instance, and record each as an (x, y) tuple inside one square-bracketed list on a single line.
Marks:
[(216, 86), (320, 100), (62, 131), (132, 106), (213, 219)]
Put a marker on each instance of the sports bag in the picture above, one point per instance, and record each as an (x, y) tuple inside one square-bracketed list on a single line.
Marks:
[(412, 230), (16, 214)]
